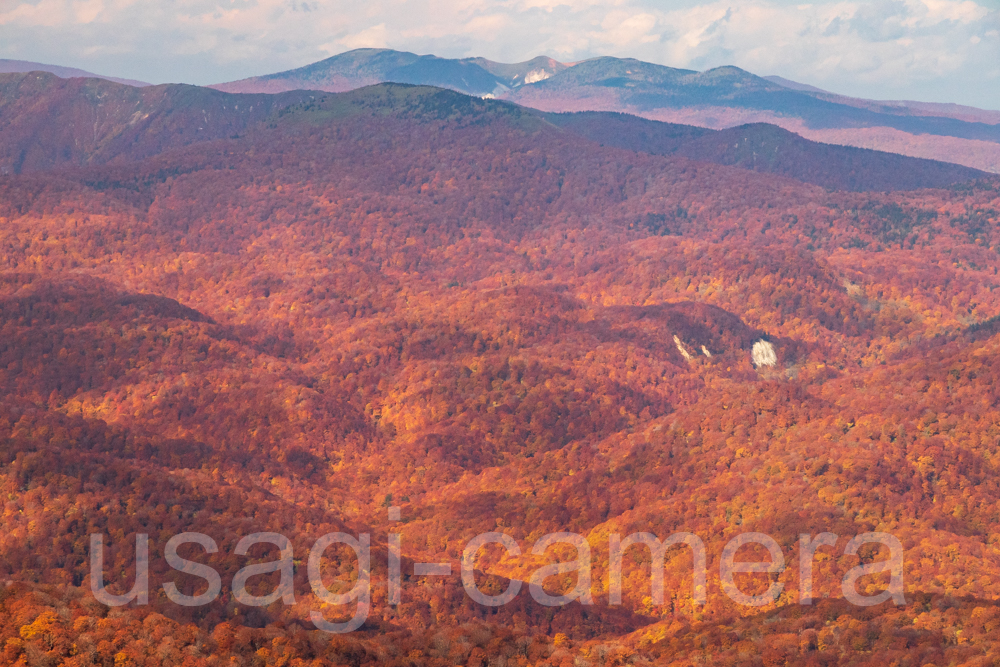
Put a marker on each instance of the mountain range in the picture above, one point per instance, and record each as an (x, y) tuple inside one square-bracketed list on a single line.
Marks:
[(48, 122), (719, 98)]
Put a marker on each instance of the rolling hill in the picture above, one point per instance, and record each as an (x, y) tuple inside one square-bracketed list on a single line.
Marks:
[(720, 98), (767, 148), (47, 121)]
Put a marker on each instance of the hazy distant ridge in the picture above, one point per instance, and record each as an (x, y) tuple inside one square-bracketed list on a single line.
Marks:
[(23, 66)]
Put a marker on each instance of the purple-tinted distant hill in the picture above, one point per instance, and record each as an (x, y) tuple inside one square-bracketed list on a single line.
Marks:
[(22, 66), (766, 148)]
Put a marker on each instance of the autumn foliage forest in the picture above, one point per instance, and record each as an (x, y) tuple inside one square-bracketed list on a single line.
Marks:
[(407, 297)]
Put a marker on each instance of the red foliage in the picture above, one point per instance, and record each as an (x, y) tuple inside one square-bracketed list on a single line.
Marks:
[(456, 310)]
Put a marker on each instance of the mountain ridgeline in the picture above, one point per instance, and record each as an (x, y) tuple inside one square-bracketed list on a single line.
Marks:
[(23, 67), (47, 121), (719, 98), (93, 122), (364, 67), (768, 148)]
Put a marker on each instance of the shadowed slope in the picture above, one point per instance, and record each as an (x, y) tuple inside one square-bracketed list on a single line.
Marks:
[(47, 122), (767, 148)]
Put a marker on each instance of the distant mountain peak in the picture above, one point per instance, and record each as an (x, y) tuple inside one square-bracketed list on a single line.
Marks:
[(519, 74)]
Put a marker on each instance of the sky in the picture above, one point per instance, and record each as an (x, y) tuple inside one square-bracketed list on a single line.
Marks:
[(927, 50)]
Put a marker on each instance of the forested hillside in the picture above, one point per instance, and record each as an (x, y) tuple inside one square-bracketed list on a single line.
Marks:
[(412, 298), (48, 122)]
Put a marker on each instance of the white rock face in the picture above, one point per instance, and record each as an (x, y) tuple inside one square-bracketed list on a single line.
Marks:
[(704, 350), (534, 76), (763, 354), (681, 348)]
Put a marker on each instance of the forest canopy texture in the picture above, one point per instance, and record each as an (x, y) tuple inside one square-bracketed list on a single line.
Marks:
[(403, 296)]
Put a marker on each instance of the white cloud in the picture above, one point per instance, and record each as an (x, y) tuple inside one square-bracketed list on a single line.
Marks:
[(925, 49), (624, 29), (375, 37)]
